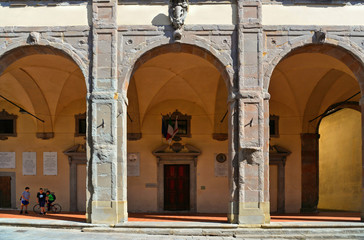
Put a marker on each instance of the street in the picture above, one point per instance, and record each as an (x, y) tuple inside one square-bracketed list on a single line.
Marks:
[(12, 233)]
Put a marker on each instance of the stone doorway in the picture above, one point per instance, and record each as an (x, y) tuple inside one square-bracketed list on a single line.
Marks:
[(180, 168), (176, 187)]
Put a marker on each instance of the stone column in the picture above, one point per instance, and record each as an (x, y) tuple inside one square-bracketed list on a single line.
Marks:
[(362, 156), (249, 162), (106, 123), (309, 158)]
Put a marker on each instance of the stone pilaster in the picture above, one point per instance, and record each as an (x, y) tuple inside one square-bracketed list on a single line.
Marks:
[(249, 168), (362, 136), (309, 158), (106, 110)]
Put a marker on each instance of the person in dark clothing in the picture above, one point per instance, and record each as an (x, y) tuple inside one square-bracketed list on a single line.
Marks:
[(41, 200)]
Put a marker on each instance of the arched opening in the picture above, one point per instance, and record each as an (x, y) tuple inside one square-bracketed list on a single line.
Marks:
[(184, 174), (304, 84), (46, 90)]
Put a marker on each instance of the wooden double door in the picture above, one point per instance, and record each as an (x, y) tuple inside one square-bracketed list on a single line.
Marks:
[(176, 187), (5, 191)]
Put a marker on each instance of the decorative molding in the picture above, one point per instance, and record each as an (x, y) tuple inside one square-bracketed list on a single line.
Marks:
[(180, 116), (220, 136), (134, 136), (278, 156), (45, 135), (178, 10), (166, 152), (76, 155), (33, 38), (319, 37)]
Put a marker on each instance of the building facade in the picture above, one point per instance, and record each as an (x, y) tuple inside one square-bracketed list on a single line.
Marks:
[(266, 94)]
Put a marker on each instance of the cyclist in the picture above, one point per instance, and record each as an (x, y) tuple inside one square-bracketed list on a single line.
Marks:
[(50, 199)]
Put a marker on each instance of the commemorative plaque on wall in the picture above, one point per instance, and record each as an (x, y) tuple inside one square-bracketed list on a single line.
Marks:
[(133, 164), (221, 165), (7, 159)]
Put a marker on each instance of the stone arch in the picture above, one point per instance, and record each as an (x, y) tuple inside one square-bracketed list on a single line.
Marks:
[(20, 49), (16, 50), (350, 54), (196, 46)]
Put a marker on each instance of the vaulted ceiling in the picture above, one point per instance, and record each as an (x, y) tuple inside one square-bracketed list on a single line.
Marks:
[(43, 84), (177, 76)]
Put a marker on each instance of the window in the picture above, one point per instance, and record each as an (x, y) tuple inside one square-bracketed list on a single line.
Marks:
[(80, 123), (184, 123), (274, 126), (7, 125)]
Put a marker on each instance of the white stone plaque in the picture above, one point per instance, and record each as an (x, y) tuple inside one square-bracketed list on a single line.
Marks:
[(7, 159), (133, 164), (49, 163), (221, 165), (29, 163)]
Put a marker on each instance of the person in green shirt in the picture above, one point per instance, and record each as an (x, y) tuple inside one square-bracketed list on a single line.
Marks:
[(50, 199)]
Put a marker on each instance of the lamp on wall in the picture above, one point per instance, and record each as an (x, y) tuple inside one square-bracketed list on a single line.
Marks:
[(21, 110)]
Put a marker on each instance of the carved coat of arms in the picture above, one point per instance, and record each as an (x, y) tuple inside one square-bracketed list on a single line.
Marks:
[(177, 12)]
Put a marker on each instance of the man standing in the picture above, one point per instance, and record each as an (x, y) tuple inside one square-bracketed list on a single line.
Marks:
[(41, 200), (25, 197)]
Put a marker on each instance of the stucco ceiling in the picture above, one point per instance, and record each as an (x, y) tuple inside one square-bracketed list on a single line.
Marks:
[(43, 84), (177, 76), (308, 83)]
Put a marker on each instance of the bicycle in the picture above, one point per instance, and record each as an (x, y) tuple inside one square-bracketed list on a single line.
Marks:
[(55, 208)]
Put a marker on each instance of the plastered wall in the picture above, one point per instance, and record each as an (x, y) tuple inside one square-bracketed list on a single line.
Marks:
[(312, 15), (340, 161), (26, 141), (44, 16), (214, 198)]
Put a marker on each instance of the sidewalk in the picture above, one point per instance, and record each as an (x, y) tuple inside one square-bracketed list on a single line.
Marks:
[(211, 218), (323, 225)]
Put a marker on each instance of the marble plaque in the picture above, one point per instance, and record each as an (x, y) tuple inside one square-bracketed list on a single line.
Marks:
[(221, 165), (7, 159), (29, 163), (133, 164), (49, 163)]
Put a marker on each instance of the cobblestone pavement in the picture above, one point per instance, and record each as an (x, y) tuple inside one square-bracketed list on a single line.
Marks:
[(13, 233)]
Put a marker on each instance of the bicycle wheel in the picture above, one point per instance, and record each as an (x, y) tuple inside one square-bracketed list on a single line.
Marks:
[(36, 208), (56, 208)]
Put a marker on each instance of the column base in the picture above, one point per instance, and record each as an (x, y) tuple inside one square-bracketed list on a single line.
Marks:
[(250, 216), (109, 212)]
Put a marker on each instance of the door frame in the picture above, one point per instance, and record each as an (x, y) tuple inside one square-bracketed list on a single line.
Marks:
[(175, 160), (12, 187)]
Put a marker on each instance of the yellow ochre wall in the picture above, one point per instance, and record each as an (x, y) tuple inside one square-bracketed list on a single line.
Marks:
[(214, 198), (26, 141), (340, 161), (63, 87)]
